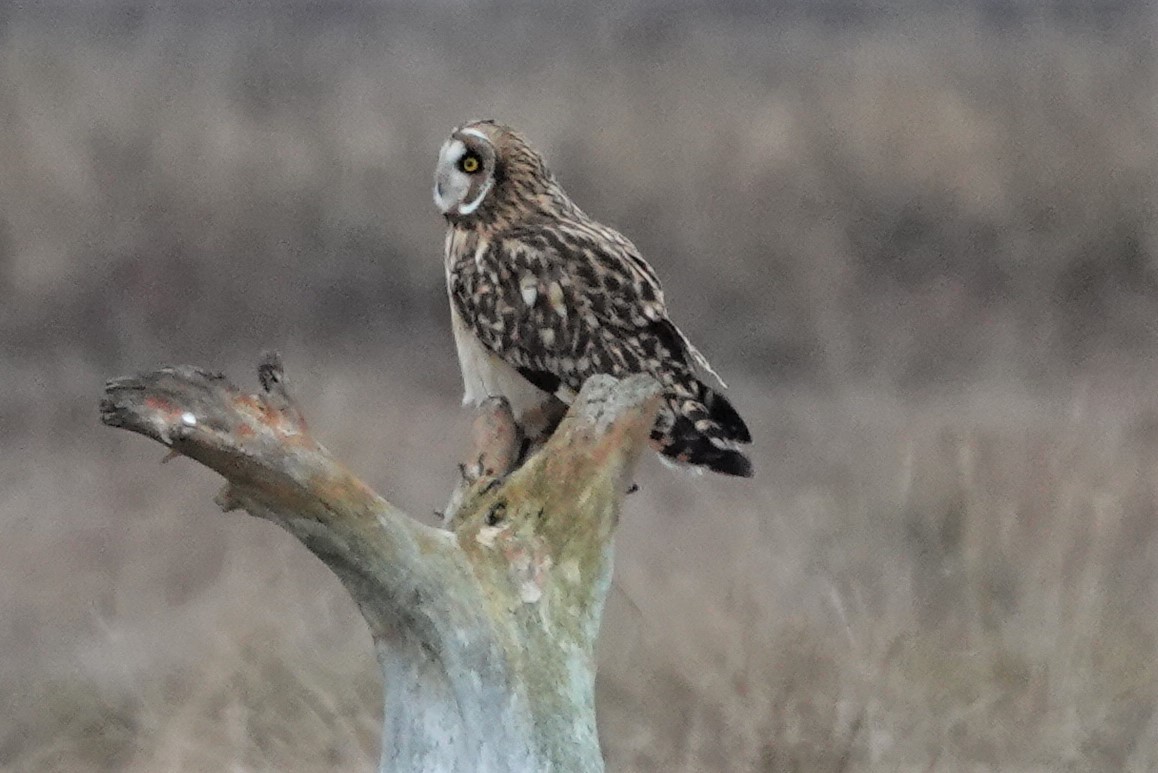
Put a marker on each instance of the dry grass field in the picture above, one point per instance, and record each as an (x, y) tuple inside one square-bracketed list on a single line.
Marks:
[(921, 247)]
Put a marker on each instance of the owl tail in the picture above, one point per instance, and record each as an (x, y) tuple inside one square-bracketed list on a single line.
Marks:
[(703, 431)]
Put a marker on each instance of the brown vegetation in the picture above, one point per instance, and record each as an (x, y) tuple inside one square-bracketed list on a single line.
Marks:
[(922, 252)]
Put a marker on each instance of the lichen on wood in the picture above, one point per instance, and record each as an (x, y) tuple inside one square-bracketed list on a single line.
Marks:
[(485, 631)]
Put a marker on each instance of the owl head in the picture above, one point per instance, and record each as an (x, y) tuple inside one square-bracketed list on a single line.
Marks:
[(487, 171)]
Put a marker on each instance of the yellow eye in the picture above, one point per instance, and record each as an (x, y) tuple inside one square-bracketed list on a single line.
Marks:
[(469, 163)]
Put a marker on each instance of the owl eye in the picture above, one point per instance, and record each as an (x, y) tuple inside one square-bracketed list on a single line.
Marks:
[(469, 163)]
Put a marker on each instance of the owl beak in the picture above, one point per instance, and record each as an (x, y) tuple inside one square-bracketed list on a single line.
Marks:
[(440, 199)]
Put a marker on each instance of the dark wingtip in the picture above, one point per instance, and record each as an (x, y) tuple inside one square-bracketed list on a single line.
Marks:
[(732, 463), (722, 412), (702, 454), (706, 446)]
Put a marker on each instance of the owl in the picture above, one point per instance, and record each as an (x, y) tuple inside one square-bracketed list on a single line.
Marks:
[(543, 297)]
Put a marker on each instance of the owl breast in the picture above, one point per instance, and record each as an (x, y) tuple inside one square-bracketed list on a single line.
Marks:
[(486, 375)]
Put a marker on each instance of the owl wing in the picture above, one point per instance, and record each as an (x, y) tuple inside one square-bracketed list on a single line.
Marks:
[(563, 303), (560, 305)]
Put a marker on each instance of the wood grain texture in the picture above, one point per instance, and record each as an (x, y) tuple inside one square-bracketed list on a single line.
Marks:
[(485, 633)]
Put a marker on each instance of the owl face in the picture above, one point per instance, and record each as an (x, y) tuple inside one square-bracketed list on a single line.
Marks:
[(465, 173)]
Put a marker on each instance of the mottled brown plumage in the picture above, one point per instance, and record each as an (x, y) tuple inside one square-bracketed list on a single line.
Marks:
[(543, 297)]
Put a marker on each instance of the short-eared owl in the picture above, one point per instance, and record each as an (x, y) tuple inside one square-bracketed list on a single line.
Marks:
[(543, 297)]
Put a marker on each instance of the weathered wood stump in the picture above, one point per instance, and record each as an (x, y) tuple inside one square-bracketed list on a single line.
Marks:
[(485, 631)]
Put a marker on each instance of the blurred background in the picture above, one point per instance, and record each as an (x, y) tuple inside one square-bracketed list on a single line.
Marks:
[(917, 238)]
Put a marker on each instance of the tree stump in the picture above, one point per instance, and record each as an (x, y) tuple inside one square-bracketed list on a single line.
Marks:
[(486, 630)]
